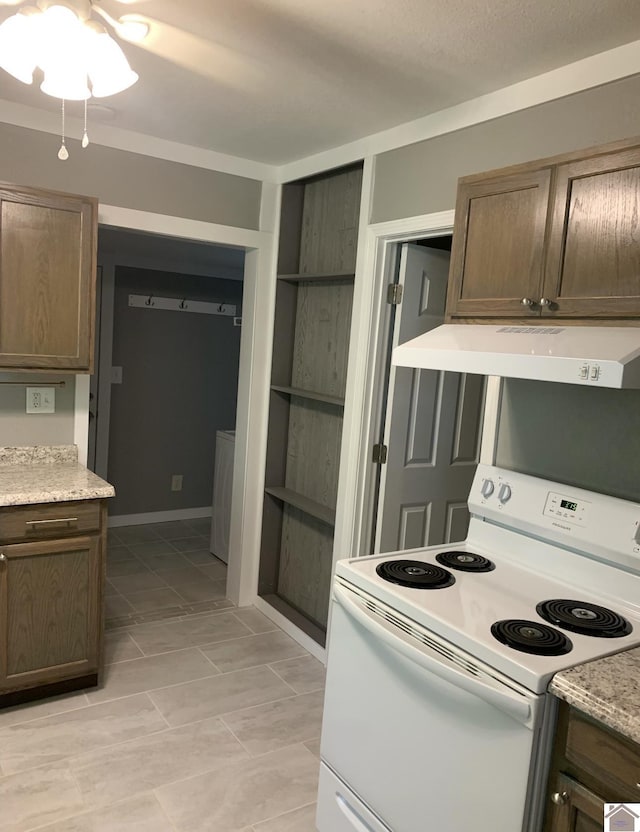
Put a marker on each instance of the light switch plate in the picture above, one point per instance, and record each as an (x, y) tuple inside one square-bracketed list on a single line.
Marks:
[(116, 375), (41, 399)]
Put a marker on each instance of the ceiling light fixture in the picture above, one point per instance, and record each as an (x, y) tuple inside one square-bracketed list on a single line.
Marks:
[(77, 55)]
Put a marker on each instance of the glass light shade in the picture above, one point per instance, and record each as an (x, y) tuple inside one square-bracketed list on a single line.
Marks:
[(109, 69), (69, 52), (19, 45), (63, 39), (66, 84), (64, 49)]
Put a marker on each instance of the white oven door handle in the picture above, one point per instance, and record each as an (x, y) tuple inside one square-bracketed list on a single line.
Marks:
[(503, 699), (354, 819)]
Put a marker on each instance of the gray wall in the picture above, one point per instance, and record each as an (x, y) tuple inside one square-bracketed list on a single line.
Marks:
[(116, 177), (589, 438), (129, 180), (422, 177), (180, 375), (20, 428)]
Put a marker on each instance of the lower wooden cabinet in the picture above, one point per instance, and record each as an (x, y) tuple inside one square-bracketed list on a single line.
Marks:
[(592, 766), (50, 606), (574, 808)]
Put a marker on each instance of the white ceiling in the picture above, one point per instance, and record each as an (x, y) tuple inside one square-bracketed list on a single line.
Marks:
[(279, 80)]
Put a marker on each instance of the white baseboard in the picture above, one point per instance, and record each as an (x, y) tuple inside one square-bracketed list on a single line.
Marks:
[(290, 629), (159, 516)]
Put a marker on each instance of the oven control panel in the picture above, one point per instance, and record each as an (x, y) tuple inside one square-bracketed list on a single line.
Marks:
[(500, 490), (567, 508), (598, 524)]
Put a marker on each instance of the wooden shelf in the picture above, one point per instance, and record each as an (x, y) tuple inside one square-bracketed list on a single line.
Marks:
[(308, 394), (319, 220), (311, 507), (299, 278)]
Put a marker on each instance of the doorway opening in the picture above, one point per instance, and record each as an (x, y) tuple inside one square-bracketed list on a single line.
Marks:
[(168, 353), (428, 424)]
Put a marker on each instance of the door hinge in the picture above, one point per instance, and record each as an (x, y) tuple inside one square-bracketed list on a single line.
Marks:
[(394, 293), (380, 454)]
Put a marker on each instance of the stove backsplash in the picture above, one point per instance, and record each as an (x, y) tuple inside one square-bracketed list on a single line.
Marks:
[(580, 436)]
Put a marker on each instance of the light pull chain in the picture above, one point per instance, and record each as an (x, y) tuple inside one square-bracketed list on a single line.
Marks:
[(63, 153), (85, 137)]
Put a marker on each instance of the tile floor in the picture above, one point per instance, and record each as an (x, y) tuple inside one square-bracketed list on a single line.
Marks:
[(207, 720), (162, 570)]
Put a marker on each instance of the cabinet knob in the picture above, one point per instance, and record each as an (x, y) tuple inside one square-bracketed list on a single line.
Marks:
[(545, 302), (559, 798), (526, 302), (2, 557)]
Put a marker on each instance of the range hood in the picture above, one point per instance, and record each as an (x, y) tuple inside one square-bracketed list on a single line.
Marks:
[(597, 356)]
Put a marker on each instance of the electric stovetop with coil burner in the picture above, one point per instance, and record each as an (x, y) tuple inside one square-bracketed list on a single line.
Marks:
[(548, 577)]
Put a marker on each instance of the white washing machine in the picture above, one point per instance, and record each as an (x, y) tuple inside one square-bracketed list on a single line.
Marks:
[(222, 486)]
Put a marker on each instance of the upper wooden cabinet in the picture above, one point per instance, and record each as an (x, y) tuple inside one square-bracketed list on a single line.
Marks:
[(498, 249), (47, 280), (556, 239), (593, 260)]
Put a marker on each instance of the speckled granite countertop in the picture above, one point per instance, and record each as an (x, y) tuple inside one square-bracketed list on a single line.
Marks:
[(607, 689), (47, 474)]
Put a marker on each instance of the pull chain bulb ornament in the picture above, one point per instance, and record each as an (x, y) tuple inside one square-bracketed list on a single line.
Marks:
[(63, 153), (85, 137)]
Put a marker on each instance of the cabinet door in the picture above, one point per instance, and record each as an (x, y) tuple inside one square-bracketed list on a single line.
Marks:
[(498, 246), (49, 611), (577, 809), (47, 280), (593, 262)]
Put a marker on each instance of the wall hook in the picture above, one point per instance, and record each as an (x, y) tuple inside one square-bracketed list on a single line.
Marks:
[(149, 300), (183, 303)]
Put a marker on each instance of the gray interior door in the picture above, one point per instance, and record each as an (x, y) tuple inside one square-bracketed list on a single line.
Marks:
[(433, 423)]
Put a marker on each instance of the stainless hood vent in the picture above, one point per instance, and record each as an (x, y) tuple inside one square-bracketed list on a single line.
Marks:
[(594, 356)]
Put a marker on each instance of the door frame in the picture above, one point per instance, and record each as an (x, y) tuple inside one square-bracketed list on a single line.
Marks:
[(376, 269), (253, 380)]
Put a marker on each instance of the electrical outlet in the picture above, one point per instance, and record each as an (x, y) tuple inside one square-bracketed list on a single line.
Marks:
[(41, 399), (176, 482)]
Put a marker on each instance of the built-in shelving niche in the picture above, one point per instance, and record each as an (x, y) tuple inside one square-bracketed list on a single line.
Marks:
[(319, 227)]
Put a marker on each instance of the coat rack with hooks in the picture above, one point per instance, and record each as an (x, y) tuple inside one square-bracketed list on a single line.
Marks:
[(182, 305)]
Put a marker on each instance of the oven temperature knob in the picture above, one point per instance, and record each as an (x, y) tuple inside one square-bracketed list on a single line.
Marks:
[(504, 493), (487, 488)]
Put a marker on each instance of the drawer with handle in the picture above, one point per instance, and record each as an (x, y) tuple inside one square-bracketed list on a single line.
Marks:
[(44, 521), (608, 756)]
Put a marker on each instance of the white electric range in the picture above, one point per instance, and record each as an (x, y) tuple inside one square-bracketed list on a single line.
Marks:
[(437, 717)]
